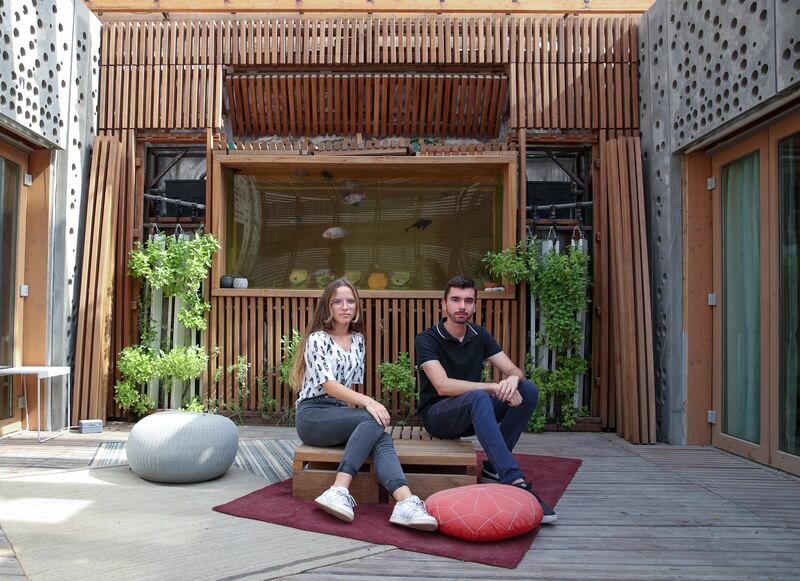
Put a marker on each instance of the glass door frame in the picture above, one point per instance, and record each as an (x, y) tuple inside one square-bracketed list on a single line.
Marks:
[(758, 452), (778, 458), (20, 157)]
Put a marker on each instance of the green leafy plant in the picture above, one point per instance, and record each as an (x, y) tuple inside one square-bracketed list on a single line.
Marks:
[(178, 266), (559, 385), (194, 405), (240, 370), (560, 290), (268, 403), (517, 264), (486, 372), (289, 346), (398, 376)]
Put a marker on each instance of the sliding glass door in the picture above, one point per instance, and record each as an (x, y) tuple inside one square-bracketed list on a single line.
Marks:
[(741, 313), (785, 445), (757, 279), (13, 165)]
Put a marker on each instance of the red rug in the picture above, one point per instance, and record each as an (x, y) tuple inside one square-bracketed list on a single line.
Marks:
[(550, 476)]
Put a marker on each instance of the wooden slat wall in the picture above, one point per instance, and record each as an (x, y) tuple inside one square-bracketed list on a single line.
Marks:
[(129, 221), (393, 104), (629, 327), (575, 73), (564, 73), (159, 76), (93, 345), (253, 326)]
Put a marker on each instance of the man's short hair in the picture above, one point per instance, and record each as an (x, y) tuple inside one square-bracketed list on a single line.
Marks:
[(459, 281)]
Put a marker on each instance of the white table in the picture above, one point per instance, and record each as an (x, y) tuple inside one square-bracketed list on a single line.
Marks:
[(41, 372)]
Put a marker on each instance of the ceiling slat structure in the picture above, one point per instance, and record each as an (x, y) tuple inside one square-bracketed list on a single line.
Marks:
[(392, 104)]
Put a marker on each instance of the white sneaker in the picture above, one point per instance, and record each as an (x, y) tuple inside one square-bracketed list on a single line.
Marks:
[(412, 513), (338, 502)]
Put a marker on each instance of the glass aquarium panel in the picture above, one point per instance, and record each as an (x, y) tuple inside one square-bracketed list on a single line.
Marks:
[(384, 228)]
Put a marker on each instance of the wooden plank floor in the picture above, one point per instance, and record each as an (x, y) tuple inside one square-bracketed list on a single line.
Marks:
[(632, 512)]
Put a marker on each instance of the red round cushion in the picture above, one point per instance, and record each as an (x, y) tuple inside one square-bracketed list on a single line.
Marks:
[(485, 512)]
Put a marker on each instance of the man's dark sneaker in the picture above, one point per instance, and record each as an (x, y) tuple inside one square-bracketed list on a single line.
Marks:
[(488, 474), (550, 515)]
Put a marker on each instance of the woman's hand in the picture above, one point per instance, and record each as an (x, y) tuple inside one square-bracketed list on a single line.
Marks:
[(378, 411)]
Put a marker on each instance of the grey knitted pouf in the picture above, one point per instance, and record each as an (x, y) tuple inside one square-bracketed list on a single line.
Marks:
[(178, 446)]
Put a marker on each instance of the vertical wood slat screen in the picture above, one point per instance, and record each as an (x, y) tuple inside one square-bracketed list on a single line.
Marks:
[(394, 104), (126, 290), (253, 327), (628, 325), (93, 333), (564, 73)]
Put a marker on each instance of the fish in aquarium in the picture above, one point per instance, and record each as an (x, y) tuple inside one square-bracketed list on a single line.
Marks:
[(353, 199), (334, 233), (420, 224)]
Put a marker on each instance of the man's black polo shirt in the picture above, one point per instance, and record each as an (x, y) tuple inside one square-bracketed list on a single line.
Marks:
[(460, 360)]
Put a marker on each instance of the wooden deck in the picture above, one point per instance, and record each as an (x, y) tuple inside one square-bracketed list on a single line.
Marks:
[(632, 512)]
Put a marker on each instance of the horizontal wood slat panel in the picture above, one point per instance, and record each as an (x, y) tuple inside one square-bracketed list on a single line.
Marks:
[(253, 327), (269, 102), (93, 357)]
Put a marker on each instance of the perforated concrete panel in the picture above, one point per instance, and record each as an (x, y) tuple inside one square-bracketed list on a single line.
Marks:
[(35, 48), (663, 210), (79, 110), (787, 43), (722, 54)]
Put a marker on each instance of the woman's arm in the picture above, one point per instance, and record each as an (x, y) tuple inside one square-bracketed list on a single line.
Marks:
[(343, 393)]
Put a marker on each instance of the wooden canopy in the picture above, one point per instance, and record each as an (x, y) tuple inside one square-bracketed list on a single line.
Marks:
[(393, 104)]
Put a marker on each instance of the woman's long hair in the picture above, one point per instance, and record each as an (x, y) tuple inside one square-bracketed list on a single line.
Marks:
[(322, 321)]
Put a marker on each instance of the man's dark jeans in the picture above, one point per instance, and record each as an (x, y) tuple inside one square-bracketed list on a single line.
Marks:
[(478, 413)]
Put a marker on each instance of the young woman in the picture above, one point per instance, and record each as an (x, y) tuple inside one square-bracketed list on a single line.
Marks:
[(332, 361)]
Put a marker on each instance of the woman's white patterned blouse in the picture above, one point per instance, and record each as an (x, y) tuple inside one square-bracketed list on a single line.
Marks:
[(326, 360)]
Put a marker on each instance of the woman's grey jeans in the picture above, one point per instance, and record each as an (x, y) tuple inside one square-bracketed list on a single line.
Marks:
[(326, 421)]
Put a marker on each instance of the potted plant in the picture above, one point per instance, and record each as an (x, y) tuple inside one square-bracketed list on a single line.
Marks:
[(516, 264)]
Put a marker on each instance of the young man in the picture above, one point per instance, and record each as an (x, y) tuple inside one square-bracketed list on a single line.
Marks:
[(454, 402)]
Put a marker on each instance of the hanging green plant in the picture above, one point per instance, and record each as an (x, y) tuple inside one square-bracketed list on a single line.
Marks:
[(560, 291), (178, 266), (517, 264)]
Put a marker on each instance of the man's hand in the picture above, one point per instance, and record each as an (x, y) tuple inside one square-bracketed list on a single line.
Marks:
[(507, 388), (516, 399)]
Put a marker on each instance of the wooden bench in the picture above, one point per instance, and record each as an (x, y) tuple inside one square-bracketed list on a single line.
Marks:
[(430, 465)]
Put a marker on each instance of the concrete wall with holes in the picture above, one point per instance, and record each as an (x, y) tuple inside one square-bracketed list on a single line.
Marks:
[(707, 67), (49, 55)]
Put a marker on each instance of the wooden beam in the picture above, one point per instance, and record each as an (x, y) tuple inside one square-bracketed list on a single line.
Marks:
[(698, 281), (375, 6)]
